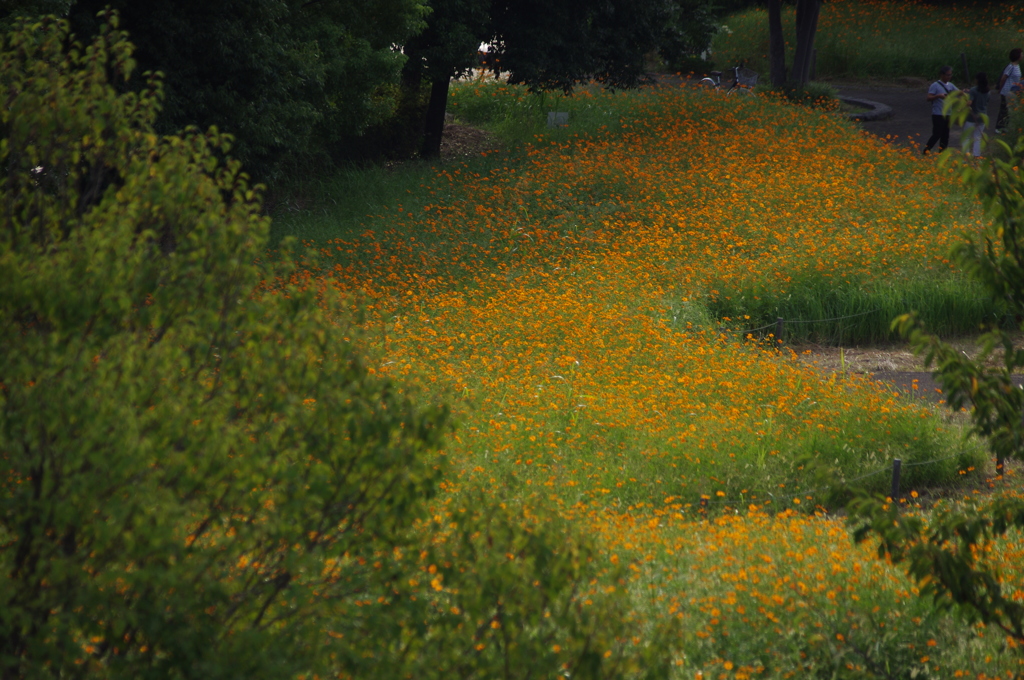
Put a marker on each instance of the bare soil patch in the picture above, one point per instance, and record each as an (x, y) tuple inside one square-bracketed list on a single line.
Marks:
[(895, 365), (460, 141)]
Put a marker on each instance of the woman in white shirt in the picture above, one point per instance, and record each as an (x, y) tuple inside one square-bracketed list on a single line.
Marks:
[(1007, 82)]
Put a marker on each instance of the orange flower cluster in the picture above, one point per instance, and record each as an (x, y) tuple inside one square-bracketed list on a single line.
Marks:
[(783, 595), (888, 18), (884, 38)]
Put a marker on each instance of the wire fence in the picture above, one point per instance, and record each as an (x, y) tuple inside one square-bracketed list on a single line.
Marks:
[(836, 318), (781, 322), (895, 469), (755, 330)]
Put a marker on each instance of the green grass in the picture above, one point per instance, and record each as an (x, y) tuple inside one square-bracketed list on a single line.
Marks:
[(350, 201), (883, 39), (355, 199), (816, 310)]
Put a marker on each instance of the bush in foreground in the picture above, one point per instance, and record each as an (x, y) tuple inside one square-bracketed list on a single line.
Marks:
[(177, 464)]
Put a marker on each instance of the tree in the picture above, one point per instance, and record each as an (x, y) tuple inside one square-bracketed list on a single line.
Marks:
[(807, 12), (687, 33), (445, 49), (776, 43), (555, 46), (14, 8), (947, 555), (547, 45), (182, 453), (514, 593), (292, 80)]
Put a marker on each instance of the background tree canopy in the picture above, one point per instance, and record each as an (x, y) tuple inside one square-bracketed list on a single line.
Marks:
[(549, 45), (300, 84), (289, 79)]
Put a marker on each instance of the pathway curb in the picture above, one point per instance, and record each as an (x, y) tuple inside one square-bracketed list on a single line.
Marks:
[(879, 111)]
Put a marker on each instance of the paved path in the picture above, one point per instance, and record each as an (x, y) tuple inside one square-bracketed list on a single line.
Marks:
[(911, 122)]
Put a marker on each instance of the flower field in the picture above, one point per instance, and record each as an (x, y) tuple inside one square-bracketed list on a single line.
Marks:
[(591, 309), (884, 39)]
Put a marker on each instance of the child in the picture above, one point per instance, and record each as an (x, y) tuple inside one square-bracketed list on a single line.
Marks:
[(940, 123), (979, 107), (1008, 81)]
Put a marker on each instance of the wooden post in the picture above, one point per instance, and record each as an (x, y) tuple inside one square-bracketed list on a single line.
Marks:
[(814, 64), (778, 329), (967, 71), (894, 494)]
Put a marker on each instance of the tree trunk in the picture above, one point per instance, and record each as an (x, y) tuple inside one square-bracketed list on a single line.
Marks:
[(434, 128), (406, 136), (806, 27), (776, 43)]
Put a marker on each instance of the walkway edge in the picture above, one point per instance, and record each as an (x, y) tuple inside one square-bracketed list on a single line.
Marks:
[(879, 111)]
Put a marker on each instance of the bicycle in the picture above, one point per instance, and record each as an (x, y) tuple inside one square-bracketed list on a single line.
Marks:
[(743, 80)]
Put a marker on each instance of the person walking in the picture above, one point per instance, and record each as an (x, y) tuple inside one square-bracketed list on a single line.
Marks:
[(937, 94), (979, 107), (1009, 81)]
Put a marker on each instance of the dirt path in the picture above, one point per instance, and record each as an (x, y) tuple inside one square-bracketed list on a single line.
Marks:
[(895, 365)]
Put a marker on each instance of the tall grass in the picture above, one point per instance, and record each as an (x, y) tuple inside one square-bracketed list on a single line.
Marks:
[(816, 310), (346, 202), (883, 39)]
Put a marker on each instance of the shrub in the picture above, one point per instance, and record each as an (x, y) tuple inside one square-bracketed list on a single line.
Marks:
[(181, 457), (813, 94), (1015, 125), (513, 593)]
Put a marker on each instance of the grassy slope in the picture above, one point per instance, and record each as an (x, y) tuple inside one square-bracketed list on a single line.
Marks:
[(563, 299)]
